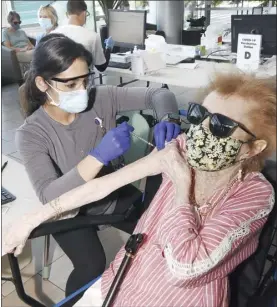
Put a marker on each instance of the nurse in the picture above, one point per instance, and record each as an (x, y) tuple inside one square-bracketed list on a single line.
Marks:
[(63, 146)]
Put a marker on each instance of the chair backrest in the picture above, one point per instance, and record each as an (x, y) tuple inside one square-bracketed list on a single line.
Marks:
[(22, 101), (245, 280)]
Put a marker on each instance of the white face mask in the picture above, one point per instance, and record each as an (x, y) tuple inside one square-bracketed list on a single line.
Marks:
[(71, 102), (45, 23)]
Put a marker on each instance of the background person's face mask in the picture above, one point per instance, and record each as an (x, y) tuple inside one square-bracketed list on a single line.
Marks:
[(45, 23), (209, 153), (16, 26), (71, 102)]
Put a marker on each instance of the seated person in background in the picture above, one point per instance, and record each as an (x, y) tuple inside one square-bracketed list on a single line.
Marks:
[(208, 212), (77, 14), (16, 39), (48, 20)]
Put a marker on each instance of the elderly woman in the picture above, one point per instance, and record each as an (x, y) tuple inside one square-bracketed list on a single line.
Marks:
[(48, 20), (16, 39), (209, 210)]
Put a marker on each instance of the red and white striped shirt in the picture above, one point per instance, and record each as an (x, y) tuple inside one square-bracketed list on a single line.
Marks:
[(185, 261)]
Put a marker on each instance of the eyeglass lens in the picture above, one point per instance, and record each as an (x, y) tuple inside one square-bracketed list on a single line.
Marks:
[(220, 125)]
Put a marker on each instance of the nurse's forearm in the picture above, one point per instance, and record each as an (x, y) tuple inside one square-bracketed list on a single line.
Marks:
[(99, 188), (89, 167)]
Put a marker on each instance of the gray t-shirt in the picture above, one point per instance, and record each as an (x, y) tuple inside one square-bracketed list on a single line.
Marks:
[(18, 39), (51, 151)]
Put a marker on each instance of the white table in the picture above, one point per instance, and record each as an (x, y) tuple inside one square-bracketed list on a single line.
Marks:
[(16, 181), (188, 78)]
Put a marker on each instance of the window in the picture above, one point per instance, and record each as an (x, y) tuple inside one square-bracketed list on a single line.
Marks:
[(28, 10), (132, 5), (99, 16), (221, 11)]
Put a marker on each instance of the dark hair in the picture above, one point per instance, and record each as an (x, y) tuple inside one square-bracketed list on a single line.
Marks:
[(160, 33), (54, 54), (76, 7), (12, 15)]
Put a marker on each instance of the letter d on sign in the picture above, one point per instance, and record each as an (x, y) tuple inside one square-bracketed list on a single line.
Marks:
[(247, 55)]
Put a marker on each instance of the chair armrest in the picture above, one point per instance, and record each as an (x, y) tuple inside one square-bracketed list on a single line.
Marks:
[(11, 71), (32, 40), (75, 223)]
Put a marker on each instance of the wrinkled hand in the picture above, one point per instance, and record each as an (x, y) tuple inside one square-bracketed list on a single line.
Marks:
[(15, 235), (109, 43), (175, 167), (24, 49), (21, 49), (114, 144), (165, 132)]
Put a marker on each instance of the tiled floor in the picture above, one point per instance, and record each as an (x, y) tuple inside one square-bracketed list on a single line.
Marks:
[(52, 291)]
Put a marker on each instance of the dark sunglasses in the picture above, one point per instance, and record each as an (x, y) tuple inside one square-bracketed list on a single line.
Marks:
[(17, 22), (220, 125), (74, 78)]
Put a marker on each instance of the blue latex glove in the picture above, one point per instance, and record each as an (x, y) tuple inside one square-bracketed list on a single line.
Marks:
[(114, 144), (109, 43), (183, 112), (165, 132)]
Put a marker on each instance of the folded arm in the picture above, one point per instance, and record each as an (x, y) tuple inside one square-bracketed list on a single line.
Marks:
[(196, 254)]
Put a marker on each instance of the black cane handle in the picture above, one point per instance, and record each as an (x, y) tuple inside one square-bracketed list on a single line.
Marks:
[(131, 248), (134, 243)]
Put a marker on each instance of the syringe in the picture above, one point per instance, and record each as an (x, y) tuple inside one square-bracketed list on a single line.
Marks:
[(143, 140)]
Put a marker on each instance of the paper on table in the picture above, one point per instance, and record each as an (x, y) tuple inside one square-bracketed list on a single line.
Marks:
[(187, 65)]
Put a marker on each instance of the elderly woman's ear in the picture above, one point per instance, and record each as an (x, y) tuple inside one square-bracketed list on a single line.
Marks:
[(256, 148)]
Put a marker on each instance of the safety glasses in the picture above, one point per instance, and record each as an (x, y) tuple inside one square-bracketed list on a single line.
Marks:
[(74, 83), (65, 80), (220, 125)]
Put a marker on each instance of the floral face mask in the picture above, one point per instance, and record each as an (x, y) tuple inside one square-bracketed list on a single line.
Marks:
[(207, 152)]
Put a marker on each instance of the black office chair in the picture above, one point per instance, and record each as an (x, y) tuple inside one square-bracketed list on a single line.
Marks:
[(116, 220), (249, 288)]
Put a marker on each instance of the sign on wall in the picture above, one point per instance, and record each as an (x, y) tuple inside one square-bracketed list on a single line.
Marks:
[(249, 51)]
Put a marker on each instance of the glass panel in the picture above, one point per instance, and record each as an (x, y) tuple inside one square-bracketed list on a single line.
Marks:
[(221, 11), (99, 16), (28, 10)]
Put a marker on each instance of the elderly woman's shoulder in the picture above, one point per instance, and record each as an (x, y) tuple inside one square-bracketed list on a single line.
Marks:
[(257, 190), (259, 180)]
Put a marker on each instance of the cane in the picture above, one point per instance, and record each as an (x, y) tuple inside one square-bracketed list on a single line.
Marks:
[(131, 248)]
